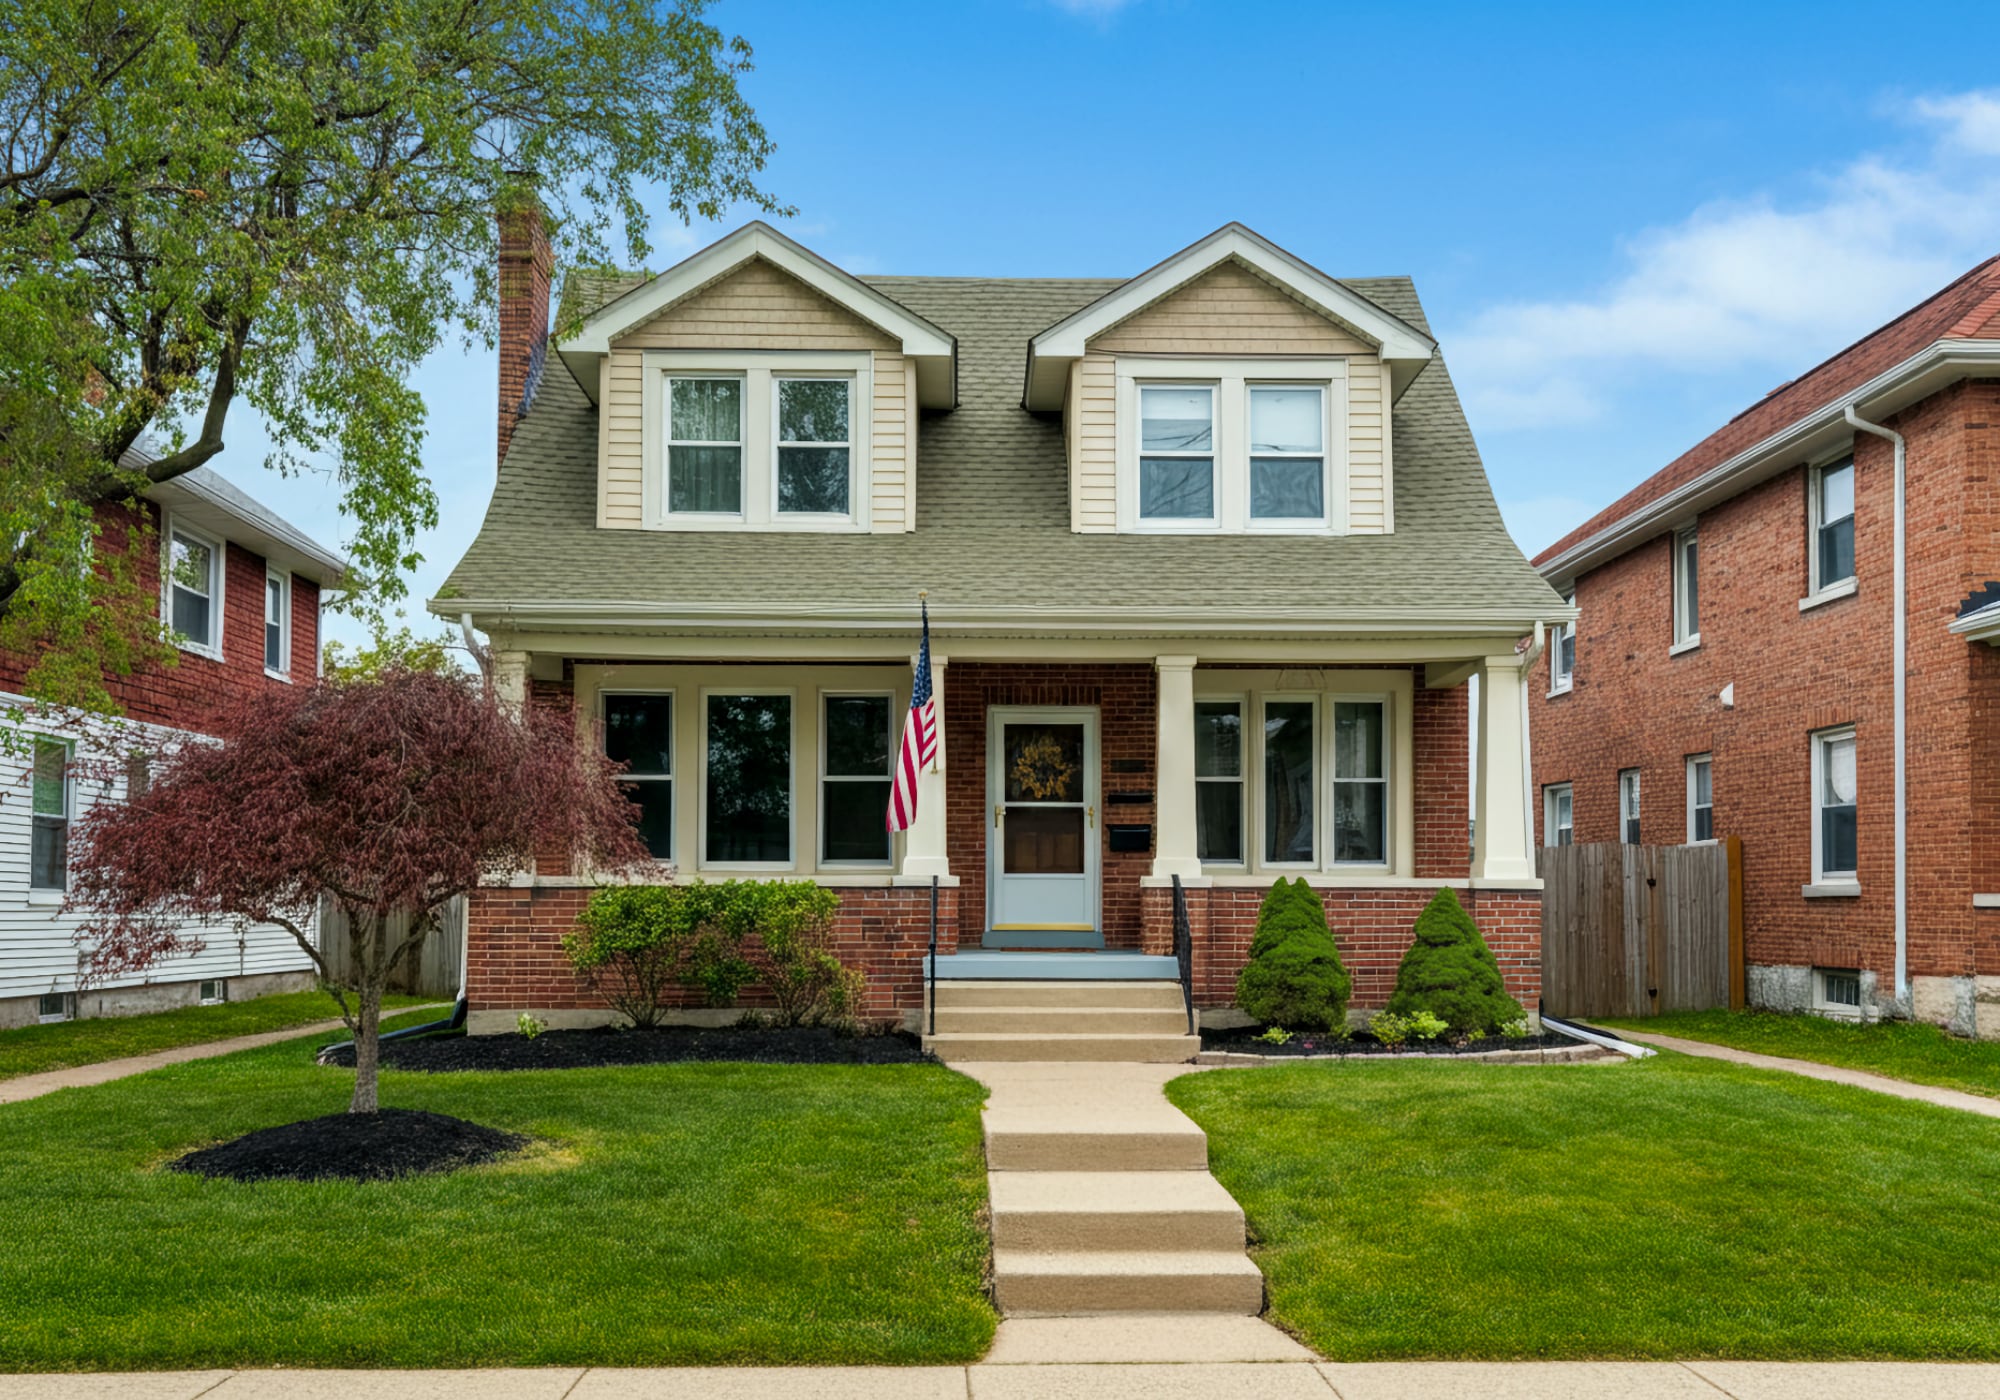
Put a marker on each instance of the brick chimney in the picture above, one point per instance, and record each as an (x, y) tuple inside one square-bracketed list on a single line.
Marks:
[(525, 264)]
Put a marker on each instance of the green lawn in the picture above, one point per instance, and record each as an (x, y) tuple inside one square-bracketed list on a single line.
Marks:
[(1901, 1049), (669, 1215), (33, 1049), (1671, 1208)]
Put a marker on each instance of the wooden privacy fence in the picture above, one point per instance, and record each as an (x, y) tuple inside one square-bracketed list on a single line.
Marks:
[(433, 971), (1637, 930)]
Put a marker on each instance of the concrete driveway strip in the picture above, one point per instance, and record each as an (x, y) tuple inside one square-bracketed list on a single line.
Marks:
[(1832, 1074), (769, 1383), (1277, 1381)]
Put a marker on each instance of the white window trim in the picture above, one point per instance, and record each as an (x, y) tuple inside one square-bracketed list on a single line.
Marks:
[(1628, 782), (1549, 825), (1389, 778), (284, 582), (1562, 678), (1685, 638), (51, 894), (823, 778), (1693, 760), (1824, 1006), (1319, 785), (759, 370), (219, 573), (1232, 380), (1838, 883), (1293, 524), (703, 518), (796, 517), (1244, 786), (1817, 592), (1176, 524), (68, 1012), (673, 774), (702, 862)]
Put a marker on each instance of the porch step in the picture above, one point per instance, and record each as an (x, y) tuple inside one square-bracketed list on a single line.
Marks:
[(1153, 1212), (1060, 1022), (1032, 1281), (991, 965), (1145, 1048), (1155, 996), (1089, 1139)]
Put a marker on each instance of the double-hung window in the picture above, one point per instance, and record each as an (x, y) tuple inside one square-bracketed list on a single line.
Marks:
[(48, 854), (277, 623), (1177, 453), (1701, 798), (815, 472), (194, 587), (1687, 588), (1562, 656), (639, 733), (1218, 781), (1287, 452), (747, 780), (856, 772), (1291, 784), (1833, 525), (1360, 782), (1628, 806), (1558, 815), (704, 446), (1834, 807)]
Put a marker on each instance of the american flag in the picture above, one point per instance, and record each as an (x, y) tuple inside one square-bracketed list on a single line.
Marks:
[(919, 738)]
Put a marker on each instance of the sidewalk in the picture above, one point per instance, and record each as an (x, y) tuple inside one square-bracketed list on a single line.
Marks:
[(1832, 1074), (1640, 1380)]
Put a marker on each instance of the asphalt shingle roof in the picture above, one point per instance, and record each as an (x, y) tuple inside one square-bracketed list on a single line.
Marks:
[(992, 503)]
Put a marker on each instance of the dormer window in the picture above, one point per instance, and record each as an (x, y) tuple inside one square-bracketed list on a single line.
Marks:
[(1287, 452), (1177, 453), (814, 457), (705, 447)]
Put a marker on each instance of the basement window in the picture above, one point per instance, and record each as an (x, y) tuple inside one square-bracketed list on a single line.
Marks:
[(1837, 990), (214, 992), (56, 1006)]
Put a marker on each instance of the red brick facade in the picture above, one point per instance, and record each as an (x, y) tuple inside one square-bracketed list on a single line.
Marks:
[(1798, 671)]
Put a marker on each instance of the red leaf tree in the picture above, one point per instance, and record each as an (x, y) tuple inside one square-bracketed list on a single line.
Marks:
[(389, 796)]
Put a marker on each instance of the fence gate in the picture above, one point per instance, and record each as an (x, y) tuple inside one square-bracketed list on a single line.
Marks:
[(433, 970), (1637, 930)]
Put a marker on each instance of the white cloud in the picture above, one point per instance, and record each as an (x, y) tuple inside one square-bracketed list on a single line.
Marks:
[(1749, 281)]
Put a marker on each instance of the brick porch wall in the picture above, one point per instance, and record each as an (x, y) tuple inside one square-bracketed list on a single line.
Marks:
[(1373, 928), (516, 960)]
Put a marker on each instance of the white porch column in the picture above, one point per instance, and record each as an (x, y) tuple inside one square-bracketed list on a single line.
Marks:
[(1501, 847), (510, 679), (924, 851), (1174, 849)]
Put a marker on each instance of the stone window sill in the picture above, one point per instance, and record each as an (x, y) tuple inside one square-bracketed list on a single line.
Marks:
[(1680, 648), (1832, 889), (1986, 901), (1833, 593)]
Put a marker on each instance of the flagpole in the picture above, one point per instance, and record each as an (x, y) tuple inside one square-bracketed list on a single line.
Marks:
[(923, 603)]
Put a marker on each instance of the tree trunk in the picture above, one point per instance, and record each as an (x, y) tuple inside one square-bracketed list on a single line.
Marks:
[(367, 1046)]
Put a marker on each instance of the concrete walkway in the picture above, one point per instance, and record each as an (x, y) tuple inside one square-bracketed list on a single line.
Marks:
[(1832, 1074), (33, 1086), (1643, 1380)]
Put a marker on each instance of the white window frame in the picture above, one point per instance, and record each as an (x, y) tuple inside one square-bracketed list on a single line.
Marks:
[(1388, 779), (1232, 380), (1562, 675), (702, 862), (778, 380), (1181, 523), (672, 775), (825, 747), (1696, 761), (1318, 787), (218, 569), (50, 893), (67, 1000), (1243, 783), (670, 442), (1290, 523), (1686, 637), (1822, 878), (1819, 590), (1550, 792), (220, 996), (1630, 813), (759, 371), (1825, 1005), (272, 575)]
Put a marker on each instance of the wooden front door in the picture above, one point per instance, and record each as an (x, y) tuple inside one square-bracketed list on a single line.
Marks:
[(1041, 847)]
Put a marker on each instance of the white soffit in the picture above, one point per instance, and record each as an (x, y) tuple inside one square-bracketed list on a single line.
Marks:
[(1404, 348), (934, 350)]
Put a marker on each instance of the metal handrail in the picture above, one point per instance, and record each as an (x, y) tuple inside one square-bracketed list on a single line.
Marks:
[(1184, 949), (931, 965)]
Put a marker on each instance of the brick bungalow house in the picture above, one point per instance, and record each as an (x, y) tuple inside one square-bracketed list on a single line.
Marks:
[(241, 589), (1745, 616), (1210, 558)]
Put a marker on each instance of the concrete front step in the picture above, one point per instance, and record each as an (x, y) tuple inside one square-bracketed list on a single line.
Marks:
[(1159, 1212), (1157, 996), (1145, 1049), (1025, 1141), (1071, 1283), (1060, 1021)]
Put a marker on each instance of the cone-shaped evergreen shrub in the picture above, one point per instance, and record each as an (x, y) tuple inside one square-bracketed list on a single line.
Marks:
[(1294, 977), (1451, 973)]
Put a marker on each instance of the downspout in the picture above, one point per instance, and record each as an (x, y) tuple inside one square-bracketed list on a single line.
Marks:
[(1899, 633)]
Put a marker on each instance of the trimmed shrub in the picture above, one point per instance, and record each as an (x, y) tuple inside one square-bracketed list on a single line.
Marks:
[(793, 956), (1294, 977), (631, 944), (1451, 973)]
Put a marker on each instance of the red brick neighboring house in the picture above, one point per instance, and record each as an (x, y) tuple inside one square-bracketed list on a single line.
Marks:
[(1735, 660), (1180, 534), (243, 595)]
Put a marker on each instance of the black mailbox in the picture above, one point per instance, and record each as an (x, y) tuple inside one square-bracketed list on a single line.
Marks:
[(1131, 838)]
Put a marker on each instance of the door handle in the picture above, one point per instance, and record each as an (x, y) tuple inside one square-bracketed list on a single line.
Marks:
[(1090, 815), (997, 812)]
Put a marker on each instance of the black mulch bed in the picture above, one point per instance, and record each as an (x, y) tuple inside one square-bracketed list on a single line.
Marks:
[(1243, 1041), (590, 1049), (353, 1147)]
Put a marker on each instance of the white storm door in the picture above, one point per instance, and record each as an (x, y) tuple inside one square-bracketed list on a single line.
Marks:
[(1041, 780)]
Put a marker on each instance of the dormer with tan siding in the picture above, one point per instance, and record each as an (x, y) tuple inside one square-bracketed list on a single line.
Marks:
[(756, 387), (1230, 389)]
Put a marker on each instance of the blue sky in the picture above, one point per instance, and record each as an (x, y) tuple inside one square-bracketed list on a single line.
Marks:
[(1626, 224)]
